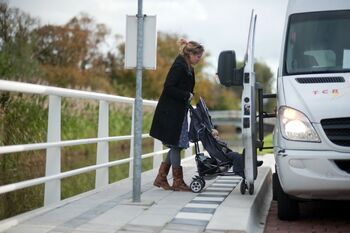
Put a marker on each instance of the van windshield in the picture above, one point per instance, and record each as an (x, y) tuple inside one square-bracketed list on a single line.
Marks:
[(318, 42)]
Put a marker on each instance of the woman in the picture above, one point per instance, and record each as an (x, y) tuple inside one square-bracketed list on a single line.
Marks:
[(170, 118)]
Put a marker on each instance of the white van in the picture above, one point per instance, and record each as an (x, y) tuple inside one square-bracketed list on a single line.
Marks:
[(312, 133)]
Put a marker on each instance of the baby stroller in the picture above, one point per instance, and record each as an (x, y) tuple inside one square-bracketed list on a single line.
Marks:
[(221, 161)]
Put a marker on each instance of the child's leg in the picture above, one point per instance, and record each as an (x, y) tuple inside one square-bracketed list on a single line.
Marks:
[(237, 161)]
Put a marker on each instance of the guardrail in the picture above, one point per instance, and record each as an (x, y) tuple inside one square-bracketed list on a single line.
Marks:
[(53, 174), (234, 118)]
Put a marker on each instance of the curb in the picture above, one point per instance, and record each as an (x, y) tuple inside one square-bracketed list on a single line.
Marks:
[(245, 213)]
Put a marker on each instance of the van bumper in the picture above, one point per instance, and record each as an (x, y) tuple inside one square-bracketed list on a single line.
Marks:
[(314, 174)]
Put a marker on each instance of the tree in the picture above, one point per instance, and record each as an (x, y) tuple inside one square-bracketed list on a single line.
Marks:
[(74, 44), (17, 43), (70, 54), (265, 77)]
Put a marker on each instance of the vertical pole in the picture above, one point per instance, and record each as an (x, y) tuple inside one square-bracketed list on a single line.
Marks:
[(102, 147), (136, 194), (53, 154), (131, 164)]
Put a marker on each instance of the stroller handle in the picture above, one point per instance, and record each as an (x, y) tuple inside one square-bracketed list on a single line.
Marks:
[(193, 112)]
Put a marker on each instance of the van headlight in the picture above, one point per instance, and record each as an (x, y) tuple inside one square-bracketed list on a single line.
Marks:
[(296, 126)]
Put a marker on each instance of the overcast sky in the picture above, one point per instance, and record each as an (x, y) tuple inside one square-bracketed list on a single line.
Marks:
[(217, 24)]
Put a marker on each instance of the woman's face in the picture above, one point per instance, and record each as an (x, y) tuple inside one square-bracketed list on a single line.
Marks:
[(195, 58)]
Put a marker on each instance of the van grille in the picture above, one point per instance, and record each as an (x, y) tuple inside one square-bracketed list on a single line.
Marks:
[(321, 80), (337, 130)]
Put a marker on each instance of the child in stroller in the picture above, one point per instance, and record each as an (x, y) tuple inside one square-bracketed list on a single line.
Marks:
[(221, 157)]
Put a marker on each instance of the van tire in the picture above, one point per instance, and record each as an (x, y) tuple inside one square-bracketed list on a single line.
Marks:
[(287, 208)]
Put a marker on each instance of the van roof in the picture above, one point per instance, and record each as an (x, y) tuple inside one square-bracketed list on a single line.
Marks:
[(299, 6)]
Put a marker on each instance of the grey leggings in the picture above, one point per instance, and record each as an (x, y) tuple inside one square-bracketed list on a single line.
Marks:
[(173, 157)]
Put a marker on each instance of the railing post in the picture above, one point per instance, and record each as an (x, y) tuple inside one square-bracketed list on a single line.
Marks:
[(157, 159), (131, 164), (102, 147), (53, 154)]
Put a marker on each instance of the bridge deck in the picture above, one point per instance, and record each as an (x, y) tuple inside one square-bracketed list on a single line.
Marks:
[(220, 207)]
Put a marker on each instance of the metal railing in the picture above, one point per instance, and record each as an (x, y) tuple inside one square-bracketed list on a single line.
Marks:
[(53, 174), (233, 117)]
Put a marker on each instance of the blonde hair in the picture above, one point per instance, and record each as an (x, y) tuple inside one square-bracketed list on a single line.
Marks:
[(190, 47)]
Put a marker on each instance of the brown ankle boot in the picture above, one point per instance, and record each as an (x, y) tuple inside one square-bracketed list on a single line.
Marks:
[(161, 181), (179, 183)]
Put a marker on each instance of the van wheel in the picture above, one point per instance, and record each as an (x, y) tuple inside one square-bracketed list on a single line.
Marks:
[(287, 208), (274, 186)]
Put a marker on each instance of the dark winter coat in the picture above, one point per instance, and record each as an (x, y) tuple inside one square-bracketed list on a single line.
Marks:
[(173, 103)]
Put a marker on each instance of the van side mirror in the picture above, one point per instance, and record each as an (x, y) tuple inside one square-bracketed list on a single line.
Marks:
[(227, 72)]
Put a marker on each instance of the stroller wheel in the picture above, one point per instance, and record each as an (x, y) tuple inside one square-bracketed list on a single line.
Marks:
[(196, 185), (243, 186)]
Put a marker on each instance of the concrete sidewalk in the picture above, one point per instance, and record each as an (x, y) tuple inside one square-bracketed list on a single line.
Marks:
[(218, 208)]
